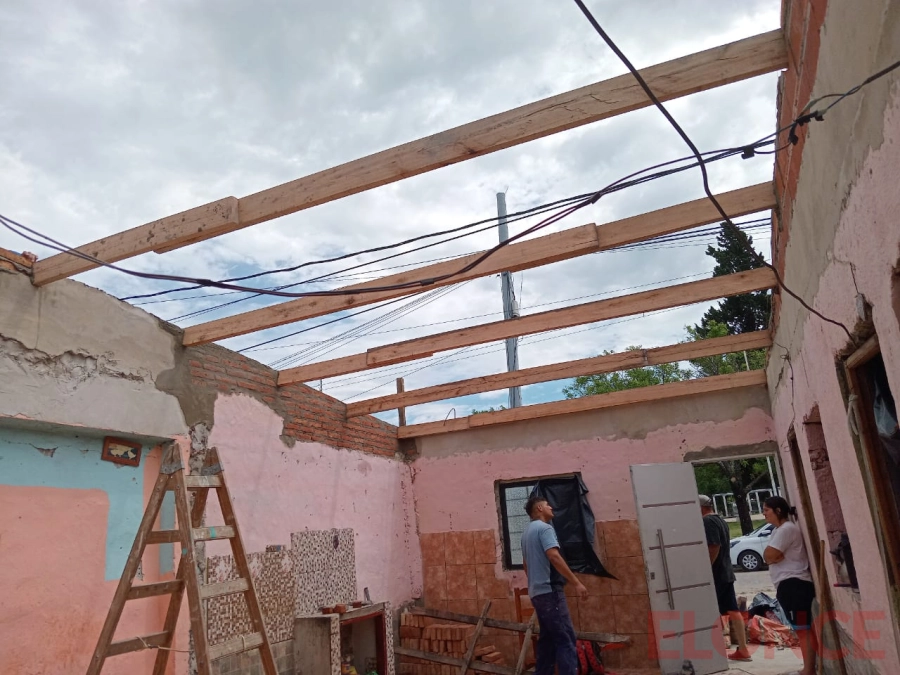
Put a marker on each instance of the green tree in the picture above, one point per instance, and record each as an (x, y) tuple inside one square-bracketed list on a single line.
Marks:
[(491, 409), (739, 313), (734, 315), (588, 385), (722, 364)]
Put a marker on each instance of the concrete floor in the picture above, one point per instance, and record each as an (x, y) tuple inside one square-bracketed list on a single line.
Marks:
[(766, 659)]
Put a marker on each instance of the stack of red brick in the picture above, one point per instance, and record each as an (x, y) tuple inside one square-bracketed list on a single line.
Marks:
[(448, 639)]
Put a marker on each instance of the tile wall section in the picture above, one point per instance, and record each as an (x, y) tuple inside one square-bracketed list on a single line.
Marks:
[(461, 570)]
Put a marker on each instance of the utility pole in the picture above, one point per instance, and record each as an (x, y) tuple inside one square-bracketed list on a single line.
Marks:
[(510, 306)]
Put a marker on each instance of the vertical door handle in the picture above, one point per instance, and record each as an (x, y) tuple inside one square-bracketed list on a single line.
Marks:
[(665, 564)]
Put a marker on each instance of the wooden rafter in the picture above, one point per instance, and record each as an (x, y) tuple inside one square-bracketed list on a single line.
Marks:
[(680, 77), (513, 258), (601, 310), (608, 363), (658, 392)]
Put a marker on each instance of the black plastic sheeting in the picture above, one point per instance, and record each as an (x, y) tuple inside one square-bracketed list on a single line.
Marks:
[(573, 521)]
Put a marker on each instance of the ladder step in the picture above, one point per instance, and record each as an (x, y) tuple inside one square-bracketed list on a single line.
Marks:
[(137, 644), (200, 482), (212, 533), (151, 590), (242, 643), (223, 588), (163, 537)]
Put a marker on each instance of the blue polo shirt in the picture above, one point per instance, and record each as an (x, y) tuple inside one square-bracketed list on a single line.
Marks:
[(538, 538)]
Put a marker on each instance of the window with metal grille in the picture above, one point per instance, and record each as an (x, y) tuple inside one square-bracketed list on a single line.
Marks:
[(513, 519)]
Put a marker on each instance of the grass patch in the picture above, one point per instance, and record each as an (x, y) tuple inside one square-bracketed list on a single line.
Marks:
[(734, 528)]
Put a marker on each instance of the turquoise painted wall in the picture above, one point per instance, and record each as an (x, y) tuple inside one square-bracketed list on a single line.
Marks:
[(26, 461)]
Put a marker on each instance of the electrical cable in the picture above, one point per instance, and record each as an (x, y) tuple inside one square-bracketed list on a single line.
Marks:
[(15, 227), (817, 115), (306, 355), (757, 223)]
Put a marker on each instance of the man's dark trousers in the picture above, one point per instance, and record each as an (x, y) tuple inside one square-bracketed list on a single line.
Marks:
[(556, 642)]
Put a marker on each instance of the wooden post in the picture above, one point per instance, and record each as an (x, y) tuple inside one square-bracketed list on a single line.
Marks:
[(401, 412)]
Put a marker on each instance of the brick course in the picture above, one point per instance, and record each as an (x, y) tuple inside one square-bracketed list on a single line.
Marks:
[(309, 415)]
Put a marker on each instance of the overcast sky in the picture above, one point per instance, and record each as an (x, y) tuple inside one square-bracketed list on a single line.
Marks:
[(118, 113)]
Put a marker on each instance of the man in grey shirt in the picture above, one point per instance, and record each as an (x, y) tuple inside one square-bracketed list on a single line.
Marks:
[(547, 574)]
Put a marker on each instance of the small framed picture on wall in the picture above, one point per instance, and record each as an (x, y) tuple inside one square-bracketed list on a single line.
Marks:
[(121, 451)]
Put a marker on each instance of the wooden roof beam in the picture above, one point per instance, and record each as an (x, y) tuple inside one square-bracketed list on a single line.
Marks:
[(608, 363), (513, 258), (601, 310), (680, 77), (657, 392)]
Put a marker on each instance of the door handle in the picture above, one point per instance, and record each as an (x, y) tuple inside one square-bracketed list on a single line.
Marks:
[(665, 565)]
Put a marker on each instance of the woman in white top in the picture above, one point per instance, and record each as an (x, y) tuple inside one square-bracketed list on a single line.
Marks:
[(789, 569)]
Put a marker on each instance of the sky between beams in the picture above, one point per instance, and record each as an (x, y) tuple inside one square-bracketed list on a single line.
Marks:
[(125, 113)]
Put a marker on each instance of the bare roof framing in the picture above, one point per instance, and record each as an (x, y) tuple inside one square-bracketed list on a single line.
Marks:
[(658, 392), (608, 363), (680, 77), (592, 312), (513, 258)]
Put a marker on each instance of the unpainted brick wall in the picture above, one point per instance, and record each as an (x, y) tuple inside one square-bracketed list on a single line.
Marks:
[(309, 415)]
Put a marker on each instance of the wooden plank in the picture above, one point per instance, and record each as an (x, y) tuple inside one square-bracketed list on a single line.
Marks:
[(213, 533), (401, 411), (658, 392), (16, 258), (608, 363), (679, 77), (257, 620), (186, 522), (592, 312), (208, 591), (513, 258), (197, 508), (480, 666), (479, 627), (136, 644), (236, 645), (603, 638), (104, 647), (520, 664), (152, 590), (164, 537), (201, 482), (201, 222)]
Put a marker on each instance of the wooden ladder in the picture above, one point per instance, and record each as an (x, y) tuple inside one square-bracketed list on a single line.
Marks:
[(187, 533)]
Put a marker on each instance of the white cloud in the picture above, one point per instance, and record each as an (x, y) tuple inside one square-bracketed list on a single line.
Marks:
[(118, 114)]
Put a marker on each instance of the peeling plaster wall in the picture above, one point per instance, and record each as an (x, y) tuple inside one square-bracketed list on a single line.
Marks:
[(311, 486), (71, 354), (456, 474), (76, 363), (843, 239)]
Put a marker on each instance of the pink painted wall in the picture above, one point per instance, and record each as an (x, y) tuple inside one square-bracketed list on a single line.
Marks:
[(55, 596), (456, 492), (864, 255), (279, 489)]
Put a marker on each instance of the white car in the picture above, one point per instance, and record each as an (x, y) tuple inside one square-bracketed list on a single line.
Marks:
[(747, 551)]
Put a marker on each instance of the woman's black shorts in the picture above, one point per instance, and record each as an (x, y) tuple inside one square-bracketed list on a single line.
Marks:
[(796, 597)]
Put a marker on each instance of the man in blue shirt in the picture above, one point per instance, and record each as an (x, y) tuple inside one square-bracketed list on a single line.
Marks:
[(547, 573)]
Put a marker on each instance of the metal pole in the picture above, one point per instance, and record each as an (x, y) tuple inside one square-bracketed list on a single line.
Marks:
[(510, 306), (771, 477)]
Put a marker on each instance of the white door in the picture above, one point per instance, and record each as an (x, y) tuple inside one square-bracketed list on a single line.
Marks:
[(682, 596)]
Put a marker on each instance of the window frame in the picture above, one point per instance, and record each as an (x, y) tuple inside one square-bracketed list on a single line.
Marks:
[(500, 487), (870, 458)]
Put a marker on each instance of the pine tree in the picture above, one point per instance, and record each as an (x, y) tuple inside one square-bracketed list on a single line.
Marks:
[(734, 315)]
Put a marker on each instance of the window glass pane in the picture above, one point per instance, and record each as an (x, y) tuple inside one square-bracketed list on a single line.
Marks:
[(516, 519)]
